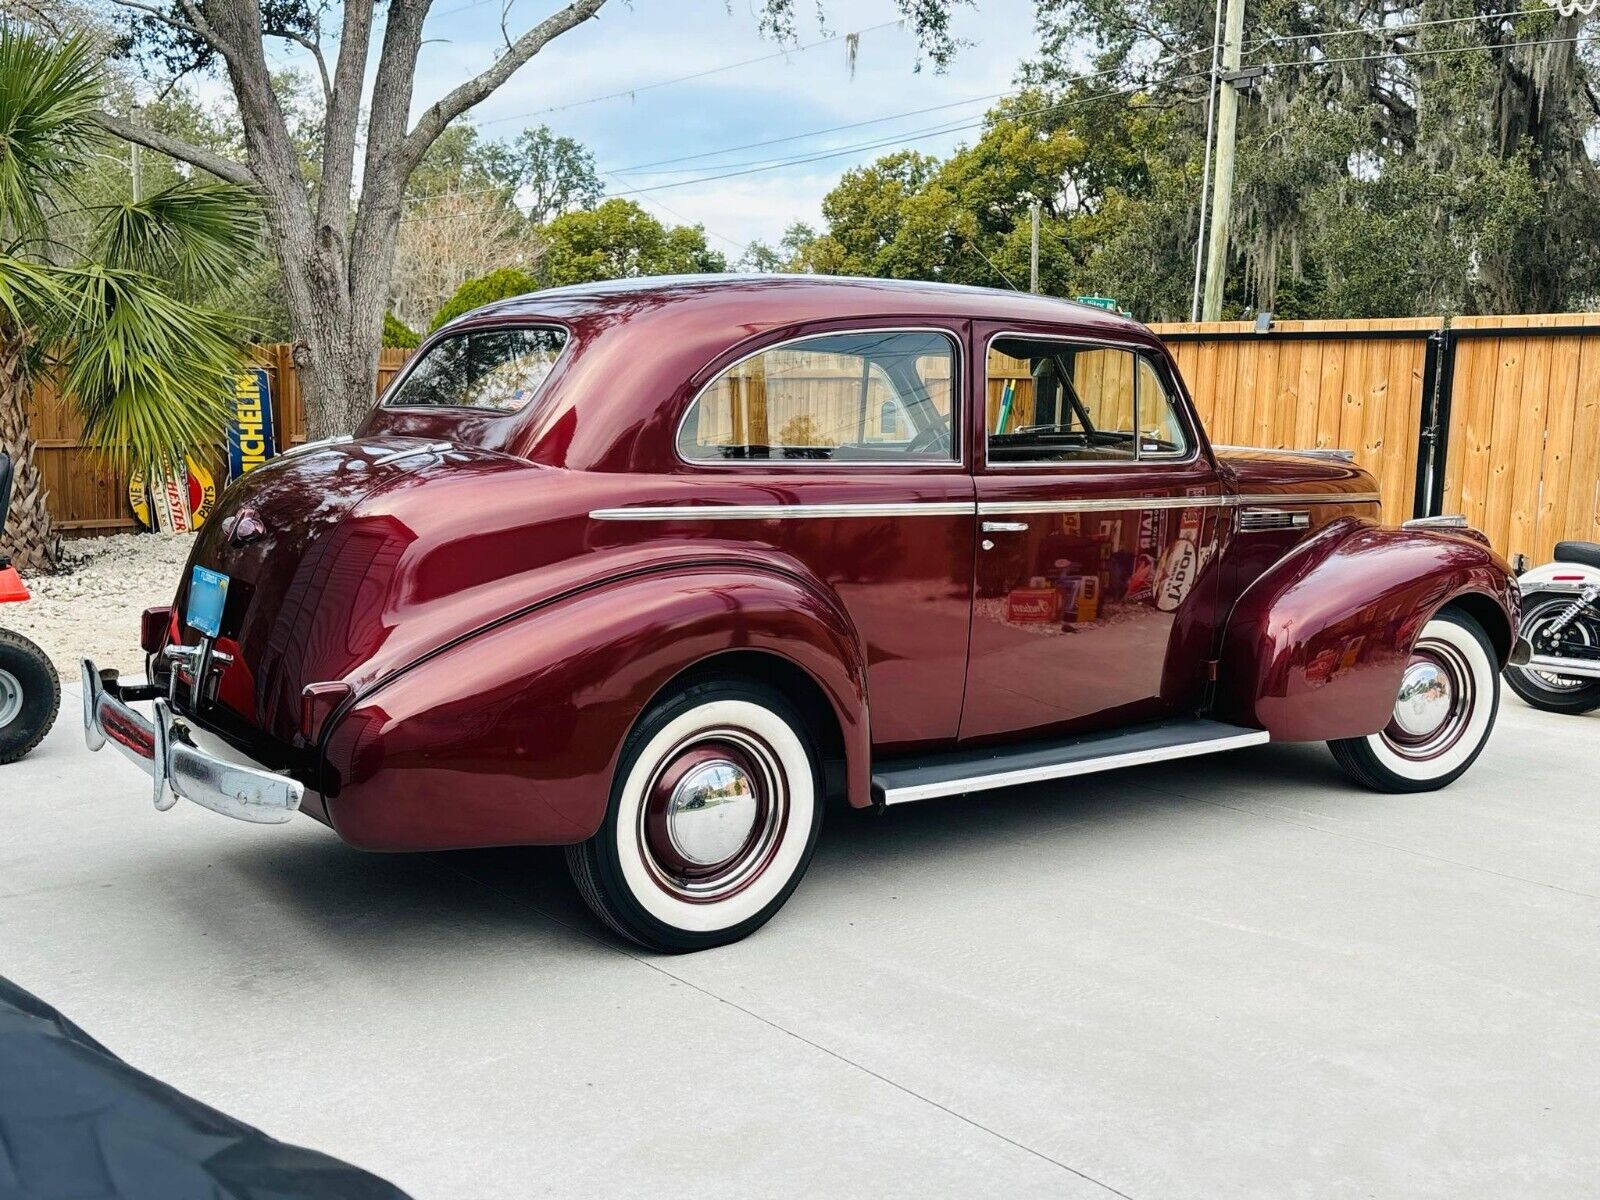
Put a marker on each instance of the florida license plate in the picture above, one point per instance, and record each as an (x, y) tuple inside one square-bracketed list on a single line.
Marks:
[(208, 593)]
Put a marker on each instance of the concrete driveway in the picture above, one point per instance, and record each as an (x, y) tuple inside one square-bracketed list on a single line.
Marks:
[(1236, 976)]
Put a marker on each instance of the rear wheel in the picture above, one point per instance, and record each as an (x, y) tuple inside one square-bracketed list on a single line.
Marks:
[(713, 818), (30, 695), (1556, 693), (1442, 717)]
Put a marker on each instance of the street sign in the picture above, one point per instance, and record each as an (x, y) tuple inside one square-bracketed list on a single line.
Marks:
[(1105, 302)]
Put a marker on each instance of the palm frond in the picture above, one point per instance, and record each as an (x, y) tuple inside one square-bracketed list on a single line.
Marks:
[(192, 232), (150, 373), (29, 292), (49, 92)]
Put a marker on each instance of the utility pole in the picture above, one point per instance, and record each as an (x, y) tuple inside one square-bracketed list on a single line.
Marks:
[(133, 170), (1205, 164), (1227, 135), (1033, 250)]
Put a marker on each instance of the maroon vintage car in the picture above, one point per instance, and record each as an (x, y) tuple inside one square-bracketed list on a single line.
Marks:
[(651, 569)]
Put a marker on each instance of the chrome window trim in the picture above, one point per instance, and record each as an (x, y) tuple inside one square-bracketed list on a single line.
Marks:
[(958, 439), (1137, 348), (1293, 501), (445, 335), (949, 508)]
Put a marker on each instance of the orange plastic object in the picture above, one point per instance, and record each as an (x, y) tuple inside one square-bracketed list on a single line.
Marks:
[(11, 586)]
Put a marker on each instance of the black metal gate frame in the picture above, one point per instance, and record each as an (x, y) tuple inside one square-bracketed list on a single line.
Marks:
[(1437, 386)]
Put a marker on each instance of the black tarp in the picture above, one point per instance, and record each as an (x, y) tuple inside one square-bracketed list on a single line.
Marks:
[(78, 1123)]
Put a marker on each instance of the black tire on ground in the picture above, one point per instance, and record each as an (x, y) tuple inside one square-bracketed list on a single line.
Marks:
[(27, 718), (713, 818), (1576, 696), (1400, 760)]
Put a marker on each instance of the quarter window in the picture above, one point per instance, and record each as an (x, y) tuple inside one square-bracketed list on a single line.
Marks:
[(497, 369), (867, 396), (1053, 401)]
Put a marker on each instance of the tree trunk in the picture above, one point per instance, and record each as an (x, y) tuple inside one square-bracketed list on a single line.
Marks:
[(28, 536), (338, 381)]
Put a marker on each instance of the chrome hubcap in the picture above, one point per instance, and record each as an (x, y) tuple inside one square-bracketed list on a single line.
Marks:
[(1425, 700), (714, 815), (1435, 704), (712, 812), (10, 698)]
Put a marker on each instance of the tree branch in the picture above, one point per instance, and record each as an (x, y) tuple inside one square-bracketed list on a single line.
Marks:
[(474, 91), (206, 160), (306, 43), (343, 114)]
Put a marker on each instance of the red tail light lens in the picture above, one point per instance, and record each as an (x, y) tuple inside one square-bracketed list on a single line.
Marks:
[(154, 624), (318, 702)]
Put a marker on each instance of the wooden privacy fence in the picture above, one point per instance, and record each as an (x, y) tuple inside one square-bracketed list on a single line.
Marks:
[(1494, 417), (1497, 418)]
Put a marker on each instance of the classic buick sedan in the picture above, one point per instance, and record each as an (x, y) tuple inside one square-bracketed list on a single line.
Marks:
[(654, 569)]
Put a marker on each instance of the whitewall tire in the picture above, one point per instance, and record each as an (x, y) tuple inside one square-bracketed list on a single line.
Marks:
[(714, 814), (1449, 697)]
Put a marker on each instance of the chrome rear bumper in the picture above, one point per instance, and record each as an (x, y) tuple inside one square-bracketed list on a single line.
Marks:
[(166, 751)]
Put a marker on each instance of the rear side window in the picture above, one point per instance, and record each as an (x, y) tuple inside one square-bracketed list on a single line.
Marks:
[(496, 369), (867, 396)]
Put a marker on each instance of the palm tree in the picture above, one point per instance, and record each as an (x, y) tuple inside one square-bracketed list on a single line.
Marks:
[(148, 368)]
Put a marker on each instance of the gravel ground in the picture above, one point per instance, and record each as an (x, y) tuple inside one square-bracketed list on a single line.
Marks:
[(91, 608)]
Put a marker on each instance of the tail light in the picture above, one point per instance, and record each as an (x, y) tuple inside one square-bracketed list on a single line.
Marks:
[(155, 624), (318, 702)]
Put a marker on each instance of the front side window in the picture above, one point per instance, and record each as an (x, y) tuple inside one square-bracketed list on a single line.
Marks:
[(1053, 401), (868, 396), (496, 369)]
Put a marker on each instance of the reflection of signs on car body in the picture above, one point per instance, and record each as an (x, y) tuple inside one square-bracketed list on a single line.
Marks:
[(1180, 565)]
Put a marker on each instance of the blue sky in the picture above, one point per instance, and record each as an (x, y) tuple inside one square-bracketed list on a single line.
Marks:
[(647, 41)]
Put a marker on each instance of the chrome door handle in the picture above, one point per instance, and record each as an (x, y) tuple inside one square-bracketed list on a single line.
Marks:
[(1005, 527)]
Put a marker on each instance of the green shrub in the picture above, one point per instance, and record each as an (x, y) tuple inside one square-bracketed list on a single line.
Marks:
[(475, 293), (398, 334)]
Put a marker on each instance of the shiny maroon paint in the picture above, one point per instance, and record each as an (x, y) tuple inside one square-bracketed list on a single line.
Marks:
[(498, 643)]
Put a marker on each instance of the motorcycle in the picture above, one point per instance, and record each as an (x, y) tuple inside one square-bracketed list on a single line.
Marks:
[(30, 690), (1561, 627)]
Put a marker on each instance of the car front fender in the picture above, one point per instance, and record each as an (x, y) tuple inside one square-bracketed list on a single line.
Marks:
[(511, 736), (1315, 648)]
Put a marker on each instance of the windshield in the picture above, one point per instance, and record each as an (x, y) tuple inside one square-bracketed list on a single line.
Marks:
[(496, 369)]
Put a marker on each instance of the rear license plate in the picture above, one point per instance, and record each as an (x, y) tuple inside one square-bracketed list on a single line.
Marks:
[(208, 593)]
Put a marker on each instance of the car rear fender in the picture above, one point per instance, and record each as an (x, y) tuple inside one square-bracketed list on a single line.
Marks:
[(511, 736), (1314, 649)]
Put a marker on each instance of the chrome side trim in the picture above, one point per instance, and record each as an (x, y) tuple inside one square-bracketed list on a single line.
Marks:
[(782, 512), (1115, 504), (1111, 762), (1295, 499), (395, 456), (955, 508), (324, 444), (1447, 521)]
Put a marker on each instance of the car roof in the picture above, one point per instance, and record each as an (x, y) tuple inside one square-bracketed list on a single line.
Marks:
[(789, 298)]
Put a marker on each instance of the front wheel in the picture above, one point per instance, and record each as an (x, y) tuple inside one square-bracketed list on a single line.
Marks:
[(30, 695), (1442, 717), (713, 818), (1556, 693)]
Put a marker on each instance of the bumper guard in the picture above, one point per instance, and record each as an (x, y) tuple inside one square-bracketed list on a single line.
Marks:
[(166, 752)]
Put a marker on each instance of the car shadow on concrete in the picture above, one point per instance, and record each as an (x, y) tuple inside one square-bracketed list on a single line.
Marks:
[(384, 904)]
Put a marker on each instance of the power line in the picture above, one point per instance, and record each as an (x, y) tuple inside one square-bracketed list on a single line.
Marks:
[(661, 83)]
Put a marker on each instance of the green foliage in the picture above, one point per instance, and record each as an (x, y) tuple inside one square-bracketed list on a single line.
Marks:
[(618, 240), (538, 174), (148, 367), (398, 335), (486, 289)]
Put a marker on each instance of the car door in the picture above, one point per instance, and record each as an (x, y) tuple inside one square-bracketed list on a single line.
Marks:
[(1099, 516), (844, 443)]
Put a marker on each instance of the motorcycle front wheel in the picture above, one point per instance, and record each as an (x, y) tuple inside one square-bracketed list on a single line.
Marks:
[(1555, 693), (30, 695)]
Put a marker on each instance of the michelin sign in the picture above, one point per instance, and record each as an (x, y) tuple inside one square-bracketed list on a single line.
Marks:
[(250, 441)]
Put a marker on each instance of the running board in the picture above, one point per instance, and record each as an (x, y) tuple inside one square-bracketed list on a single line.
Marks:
[(904, 780)]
